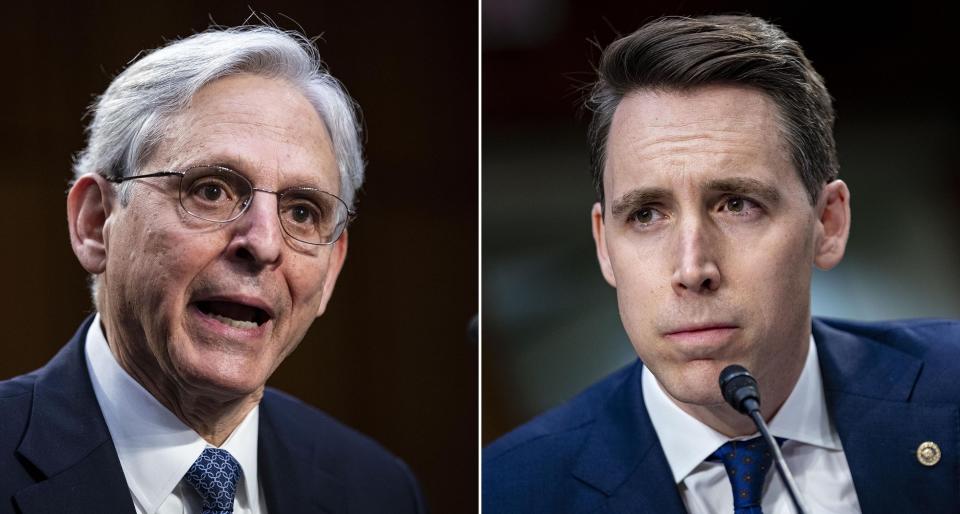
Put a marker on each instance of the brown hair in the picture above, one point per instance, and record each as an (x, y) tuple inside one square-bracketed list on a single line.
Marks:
[(677, 53)]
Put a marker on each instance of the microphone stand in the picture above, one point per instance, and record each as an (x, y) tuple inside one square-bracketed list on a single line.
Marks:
[(741, 391), (778, 458)]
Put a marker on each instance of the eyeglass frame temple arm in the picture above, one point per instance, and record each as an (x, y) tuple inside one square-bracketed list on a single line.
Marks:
[(120, 180)]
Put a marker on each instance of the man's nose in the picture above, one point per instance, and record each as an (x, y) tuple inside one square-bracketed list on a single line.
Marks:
[(257, 234), (696, 269)]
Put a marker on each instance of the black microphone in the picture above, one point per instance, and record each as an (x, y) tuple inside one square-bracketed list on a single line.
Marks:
[(741, 391)]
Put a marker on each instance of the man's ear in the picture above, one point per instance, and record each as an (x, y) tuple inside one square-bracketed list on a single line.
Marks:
[(600, 239), (89, 205), (338, 254), (833, 225)]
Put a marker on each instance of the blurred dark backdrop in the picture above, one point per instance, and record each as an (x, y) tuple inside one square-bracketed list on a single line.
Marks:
[(391, 356), (550, 323)]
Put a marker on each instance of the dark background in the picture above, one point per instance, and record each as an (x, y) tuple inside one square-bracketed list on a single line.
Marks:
[(550, 322), (391, 356)]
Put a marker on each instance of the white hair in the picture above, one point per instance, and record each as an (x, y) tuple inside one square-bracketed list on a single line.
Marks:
[(129, 119)]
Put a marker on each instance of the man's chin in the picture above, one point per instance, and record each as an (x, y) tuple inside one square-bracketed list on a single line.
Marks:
[(697, 397), (221, 375), (694, 387)]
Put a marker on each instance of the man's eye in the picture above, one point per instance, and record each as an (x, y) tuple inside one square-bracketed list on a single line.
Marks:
[(211, 191), (302, 214), (645, 215), (739, 205)]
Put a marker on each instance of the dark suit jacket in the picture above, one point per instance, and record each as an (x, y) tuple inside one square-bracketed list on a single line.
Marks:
[(889, 387), (56, 454)]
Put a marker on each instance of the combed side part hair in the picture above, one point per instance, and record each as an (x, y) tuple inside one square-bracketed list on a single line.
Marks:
[(680, 54)]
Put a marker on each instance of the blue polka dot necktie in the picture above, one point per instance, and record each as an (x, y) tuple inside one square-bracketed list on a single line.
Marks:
[(214, 475), (747, 463)]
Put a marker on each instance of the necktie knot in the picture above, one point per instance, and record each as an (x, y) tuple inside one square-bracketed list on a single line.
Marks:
[(214, 476), (746, 463)]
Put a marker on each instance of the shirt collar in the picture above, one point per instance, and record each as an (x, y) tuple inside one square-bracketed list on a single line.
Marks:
[(687, 442), (155, 448)]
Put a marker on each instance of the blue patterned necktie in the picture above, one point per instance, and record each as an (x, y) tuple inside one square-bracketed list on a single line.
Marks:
[(214, 475), (747, 463)]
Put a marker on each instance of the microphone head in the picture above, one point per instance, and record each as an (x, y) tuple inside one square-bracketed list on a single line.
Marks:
[(738, 386)]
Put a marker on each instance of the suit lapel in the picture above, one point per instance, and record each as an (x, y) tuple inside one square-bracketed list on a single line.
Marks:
[(868, 387), (292, 481), (622, 457), (67, 442)]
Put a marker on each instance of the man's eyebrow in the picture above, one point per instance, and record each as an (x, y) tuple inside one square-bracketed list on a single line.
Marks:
[(634, 198), (747, 187), (248, 168)]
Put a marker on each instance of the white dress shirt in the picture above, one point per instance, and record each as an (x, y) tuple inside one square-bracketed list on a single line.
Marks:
[(155, 448), (813, 451)]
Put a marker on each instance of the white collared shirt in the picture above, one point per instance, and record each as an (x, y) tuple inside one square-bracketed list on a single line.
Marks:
[(813, 451), (155, 448)]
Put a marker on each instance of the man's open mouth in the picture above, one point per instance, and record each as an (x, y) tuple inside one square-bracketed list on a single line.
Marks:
[(233, 314)]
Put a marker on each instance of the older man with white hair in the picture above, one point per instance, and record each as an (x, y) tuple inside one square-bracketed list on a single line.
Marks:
[(210, 207)]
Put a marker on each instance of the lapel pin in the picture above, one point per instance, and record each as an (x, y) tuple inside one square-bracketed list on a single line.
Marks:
[(928, 453)]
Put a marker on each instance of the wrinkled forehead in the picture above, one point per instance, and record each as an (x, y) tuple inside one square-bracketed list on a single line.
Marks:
[(697, 132), (712, 109), (263, 127)]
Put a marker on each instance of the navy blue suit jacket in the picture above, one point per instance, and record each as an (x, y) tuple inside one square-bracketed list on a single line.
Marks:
[(889, 387), (56, 454)]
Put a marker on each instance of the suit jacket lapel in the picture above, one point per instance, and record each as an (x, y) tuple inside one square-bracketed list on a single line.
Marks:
[(292, 481), (67, 442), (868, 388), (622, 457)]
